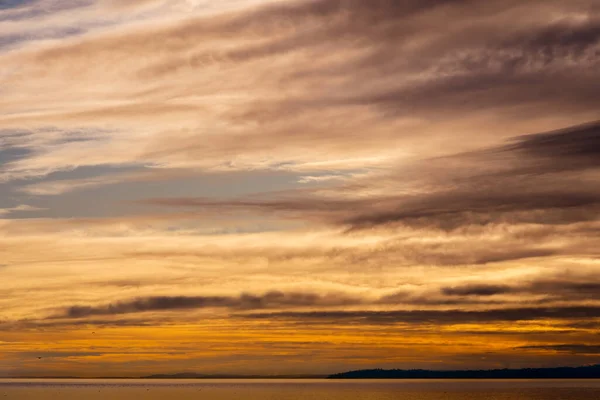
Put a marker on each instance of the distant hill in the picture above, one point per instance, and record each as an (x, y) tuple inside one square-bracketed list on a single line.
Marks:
[(589, 372)]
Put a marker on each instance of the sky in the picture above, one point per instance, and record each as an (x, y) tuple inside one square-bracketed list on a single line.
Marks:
[(298, 186)]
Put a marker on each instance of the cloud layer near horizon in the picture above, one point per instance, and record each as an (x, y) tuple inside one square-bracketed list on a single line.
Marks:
[(255, 182)]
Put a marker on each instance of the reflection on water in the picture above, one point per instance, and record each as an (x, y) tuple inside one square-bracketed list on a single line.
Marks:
[(92, 389)]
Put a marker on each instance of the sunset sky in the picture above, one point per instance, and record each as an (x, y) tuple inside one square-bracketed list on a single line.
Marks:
[(298, 186)]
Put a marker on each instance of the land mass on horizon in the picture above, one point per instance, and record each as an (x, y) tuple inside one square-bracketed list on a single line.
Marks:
[(581, 372), (587, 372)]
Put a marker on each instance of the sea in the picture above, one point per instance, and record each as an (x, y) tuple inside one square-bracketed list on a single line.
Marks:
[(297, 389)]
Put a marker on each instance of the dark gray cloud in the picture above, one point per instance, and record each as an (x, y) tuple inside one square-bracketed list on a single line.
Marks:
[(588, 287), (565, 288), (574, 142), (273, 299), (435, 317), (405, 298), (567, 149), (543, 291), (453, 209), (477, 290), (566, 348)]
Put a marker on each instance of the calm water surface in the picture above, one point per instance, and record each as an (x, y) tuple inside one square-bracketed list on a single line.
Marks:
[(230, 389)]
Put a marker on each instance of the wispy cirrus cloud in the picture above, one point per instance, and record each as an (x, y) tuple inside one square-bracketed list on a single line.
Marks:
[(344, 94)]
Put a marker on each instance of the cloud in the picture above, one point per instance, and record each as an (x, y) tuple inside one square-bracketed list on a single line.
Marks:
[(565, 348), (531, 176), (558, 289), (272, 299), (436, 317), (565, 288), (524, 190), (354, 89), (574, 148), (477, 290)]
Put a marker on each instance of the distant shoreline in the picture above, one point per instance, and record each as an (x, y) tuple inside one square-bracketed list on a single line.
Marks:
[(583, 372), (328, 378)]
